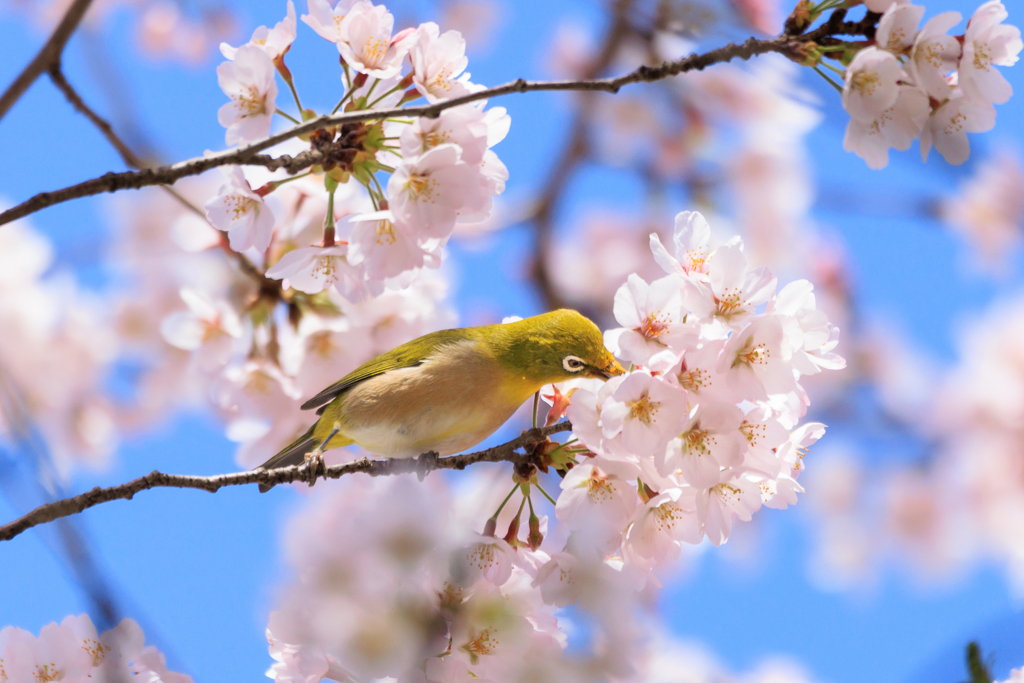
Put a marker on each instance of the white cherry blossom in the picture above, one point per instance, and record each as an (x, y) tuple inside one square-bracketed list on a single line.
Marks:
[(314, 269), (249, 80), (652, 319), (328, 21), (935, 55), (596, 502), (755, 361), (896, 127), (898, 27), (642, 416), (241, 213), (209, 328), (709, 441), (366, 42), (663, 522), (430, 192), (275, 42), (690, 237), (467, 127), (385, 249), (871, 84), (948, 126), (487, 558), (989, 43), (733, 496), (438, 59)]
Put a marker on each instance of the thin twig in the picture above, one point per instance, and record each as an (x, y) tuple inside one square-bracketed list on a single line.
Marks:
[(375, 468), (48, 56), (250, 154)]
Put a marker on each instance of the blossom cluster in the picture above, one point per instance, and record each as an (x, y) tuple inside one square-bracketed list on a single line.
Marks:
[(439, 171), (703, 430), (74, 651), (926, 82)]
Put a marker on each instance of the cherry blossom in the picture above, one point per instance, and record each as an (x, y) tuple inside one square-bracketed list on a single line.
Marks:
[(663, 522), (207, 325), (652, 319), (733, 496), (366, 42), (430, 191), (988, 43), (241, 213), (326, 20), (249, 81), (690, 237), (896, 127), (275, 42), (438, 59), (898, 27), (871, 84), (642, 415), (486, 558), (710, 440), (948, 126), (385, 248), (314, 269), (935, 54), (468, 126)]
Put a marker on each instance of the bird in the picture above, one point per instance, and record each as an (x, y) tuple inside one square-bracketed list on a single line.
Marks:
[(447, 391)]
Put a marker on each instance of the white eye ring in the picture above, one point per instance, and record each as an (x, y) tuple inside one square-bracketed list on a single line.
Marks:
[(573, 363)]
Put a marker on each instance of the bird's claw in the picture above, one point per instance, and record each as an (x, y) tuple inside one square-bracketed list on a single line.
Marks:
[(315, 465), (425, 463)]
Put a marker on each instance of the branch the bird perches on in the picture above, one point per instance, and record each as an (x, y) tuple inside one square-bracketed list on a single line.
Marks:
[(506, 452)]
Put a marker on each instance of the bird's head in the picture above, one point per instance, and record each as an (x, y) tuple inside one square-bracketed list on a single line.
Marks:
[(556, 346)]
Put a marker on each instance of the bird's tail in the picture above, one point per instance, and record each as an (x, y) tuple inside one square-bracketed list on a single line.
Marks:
[(292, 454)]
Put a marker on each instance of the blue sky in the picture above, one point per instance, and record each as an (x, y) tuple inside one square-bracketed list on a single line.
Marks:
[(197, 570)]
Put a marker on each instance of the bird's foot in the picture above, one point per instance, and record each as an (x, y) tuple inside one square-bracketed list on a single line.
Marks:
[(425, 463), (315, 465)]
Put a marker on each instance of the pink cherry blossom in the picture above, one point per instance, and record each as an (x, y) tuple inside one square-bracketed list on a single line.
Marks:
[(328, 21), (314, 269), (871, 84), (384, 248), (809, 339), (487, 558), (652, 319), (734, 496), (438, 59), (430, 192), (275, 42), (935, 54), (755, 362), (896, 127), (250, 83), (898, 27), (366, 43), (241, 213), (663, 522), (596, 502), (988, 43), (988, 210), (642, 416), (690, 237), (948, 126), (209, 328), (709, 441), (467, 127)]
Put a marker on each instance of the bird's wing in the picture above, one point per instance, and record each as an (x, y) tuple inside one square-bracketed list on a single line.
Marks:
[(407, 355)]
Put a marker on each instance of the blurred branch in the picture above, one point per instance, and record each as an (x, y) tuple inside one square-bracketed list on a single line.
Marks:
[(249, 155), (506, 452), (48, 57), (976, 667), (132, 160)]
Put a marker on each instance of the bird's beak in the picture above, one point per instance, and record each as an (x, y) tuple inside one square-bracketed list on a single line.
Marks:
[(611, 369)]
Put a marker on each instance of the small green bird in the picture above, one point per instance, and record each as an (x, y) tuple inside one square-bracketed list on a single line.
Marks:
[(448, 391)]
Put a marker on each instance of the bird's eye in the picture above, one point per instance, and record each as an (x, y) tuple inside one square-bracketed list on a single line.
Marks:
[(573, 363)]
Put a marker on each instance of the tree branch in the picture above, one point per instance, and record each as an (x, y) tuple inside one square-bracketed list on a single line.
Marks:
[(249, 155), (506, 452), (47, 58)]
